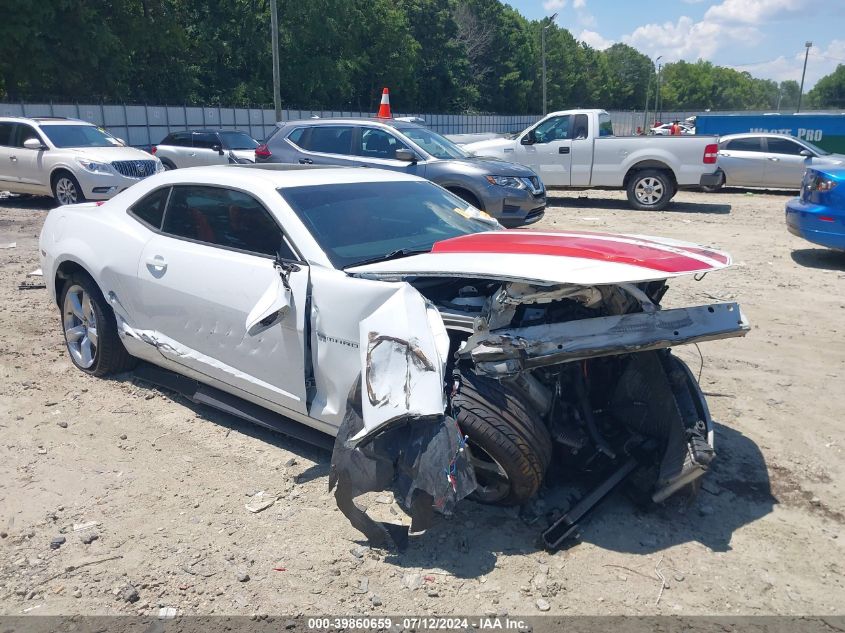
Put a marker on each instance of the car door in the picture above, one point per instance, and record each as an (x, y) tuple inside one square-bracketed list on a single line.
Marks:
[(376, 147), (201, 280), (742, 160), (29, 163), (328, 144), (208, 150), (547, 150), (8, 157), (784, 165)]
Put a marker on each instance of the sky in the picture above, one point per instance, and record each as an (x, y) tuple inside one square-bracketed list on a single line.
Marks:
[(763, 37)]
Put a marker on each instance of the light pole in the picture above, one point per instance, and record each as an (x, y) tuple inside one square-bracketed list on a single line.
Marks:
[(646, 128), (551, 20), (807, 45), (657, 103), (274, 27)]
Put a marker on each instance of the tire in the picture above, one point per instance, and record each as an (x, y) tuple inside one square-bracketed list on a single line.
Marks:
[(510, 447), (650, 190), (168, 165), (66, 189), (466, 196), (82, 304), (716, 188)]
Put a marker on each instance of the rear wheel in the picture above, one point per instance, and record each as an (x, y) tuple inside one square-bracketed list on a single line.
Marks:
[(91, 330), (650, 190), (509, 445)]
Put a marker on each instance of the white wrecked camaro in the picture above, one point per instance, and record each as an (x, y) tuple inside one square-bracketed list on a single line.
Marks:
[(448, 357)]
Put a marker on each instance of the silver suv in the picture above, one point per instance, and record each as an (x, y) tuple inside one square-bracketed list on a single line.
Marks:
[(68, 159), (196, 148), (511, 193)]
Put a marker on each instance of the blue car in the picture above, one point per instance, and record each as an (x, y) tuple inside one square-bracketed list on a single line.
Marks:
[(818, 214)]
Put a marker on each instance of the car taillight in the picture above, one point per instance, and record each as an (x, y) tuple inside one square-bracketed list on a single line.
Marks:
[(820, 183), (711, 153), (262, 151), (153, 150)]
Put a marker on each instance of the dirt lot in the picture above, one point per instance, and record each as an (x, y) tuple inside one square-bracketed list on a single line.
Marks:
[(166, 482)]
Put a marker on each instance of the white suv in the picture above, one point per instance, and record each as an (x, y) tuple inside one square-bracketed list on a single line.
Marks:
[(68, 159)]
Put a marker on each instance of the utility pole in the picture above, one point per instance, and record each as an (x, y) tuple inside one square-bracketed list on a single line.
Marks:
[(657, 103), (551, 20), (646, 126), (807, 45), (274, 27)]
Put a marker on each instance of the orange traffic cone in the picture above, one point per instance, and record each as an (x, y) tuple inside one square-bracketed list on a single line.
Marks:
[(384, 108)]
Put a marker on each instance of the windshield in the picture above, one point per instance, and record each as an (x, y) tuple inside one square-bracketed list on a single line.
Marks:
[(815, 148), (79, 136), (433, 143), (363, 222), (238, 140)]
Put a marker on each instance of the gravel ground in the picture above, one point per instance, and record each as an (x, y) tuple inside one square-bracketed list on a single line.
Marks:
[(162, 484)]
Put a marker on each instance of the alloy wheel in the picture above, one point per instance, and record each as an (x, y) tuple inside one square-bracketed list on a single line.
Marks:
[(649, 191), (66, 192), (80, 325), (493, 482)]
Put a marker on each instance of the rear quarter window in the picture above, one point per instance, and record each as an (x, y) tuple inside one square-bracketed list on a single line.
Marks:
[(150, 209)]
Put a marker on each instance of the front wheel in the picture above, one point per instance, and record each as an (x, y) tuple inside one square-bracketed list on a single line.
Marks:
[(91, 330), (66, 189), (509, 446), (650, 190)]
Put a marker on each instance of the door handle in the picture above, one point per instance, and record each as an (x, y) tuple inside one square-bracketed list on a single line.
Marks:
[(14, 159), (306, 161), (158, 262), (774, 159), (562, 150), (192, 154)]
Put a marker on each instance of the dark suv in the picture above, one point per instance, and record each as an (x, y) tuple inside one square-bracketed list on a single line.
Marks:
[(194, 148), (511, 193)]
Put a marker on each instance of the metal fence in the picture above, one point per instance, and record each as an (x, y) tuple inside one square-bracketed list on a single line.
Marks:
[(144, 125)]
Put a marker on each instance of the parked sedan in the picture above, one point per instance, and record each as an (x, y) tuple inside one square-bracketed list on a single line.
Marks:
[(773, 161), (381, 309), (818, 214), (196, 148), (513, 194)]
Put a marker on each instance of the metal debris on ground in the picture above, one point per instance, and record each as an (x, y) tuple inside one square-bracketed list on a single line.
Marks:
[(28, 286), (260, 501)]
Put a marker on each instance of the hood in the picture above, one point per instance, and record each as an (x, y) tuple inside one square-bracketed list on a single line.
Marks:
[(493, 166), (496, 145), (573, 257), (831, 159), (109, 154)]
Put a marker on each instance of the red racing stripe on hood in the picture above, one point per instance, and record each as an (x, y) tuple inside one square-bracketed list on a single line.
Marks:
[(646, 255)]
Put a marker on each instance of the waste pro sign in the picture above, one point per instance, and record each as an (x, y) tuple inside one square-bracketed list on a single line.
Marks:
[(825, 130)]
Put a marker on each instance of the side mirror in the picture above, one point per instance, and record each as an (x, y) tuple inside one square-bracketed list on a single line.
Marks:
[(34, 143), (120, 140), (529, 139), (217, 147), (271, 308), (806, 153), (406, 155)]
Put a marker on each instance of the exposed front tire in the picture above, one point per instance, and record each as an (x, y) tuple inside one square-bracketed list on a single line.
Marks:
[(509, 445), (466, 196), (650, 190), (90, 329), (66, 189), (168, 165)]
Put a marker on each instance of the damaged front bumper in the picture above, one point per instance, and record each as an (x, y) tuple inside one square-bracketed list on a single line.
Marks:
[(508, 352)]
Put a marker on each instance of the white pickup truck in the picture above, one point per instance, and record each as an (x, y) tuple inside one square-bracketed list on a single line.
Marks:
[(577, 149)]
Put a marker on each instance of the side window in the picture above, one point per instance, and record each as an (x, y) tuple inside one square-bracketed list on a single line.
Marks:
[(784, 146), (296, 136), (605, 125), (223, 217), (204, 140), (150, 208), (25, 132), (744, 145), (579, 126), (375, 143), (554, 129), (328, 139), (6, 134), (179, 139)]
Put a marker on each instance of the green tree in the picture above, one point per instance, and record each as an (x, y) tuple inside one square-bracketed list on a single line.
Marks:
[(629, 74), (829, 91)]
